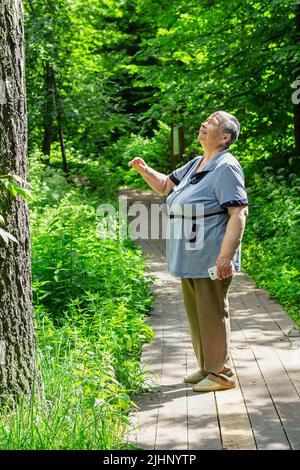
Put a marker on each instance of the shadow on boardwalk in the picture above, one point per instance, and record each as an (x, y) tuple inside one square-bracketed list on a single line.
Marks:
[(263, 412)]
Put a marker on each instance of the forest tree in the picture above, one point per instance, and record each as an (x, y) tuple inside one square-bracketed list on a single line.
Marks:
[(17, 339)]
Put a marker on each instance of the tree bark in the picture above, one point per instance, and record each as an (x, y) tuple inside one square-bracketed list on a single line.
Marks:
[(59, 111), (297, 106), (18, 371), (48, 109), (177, 140)]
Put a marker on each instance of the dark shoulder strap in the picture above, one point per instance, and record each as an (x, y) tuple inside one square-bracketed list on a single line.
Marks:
[(190, 166)]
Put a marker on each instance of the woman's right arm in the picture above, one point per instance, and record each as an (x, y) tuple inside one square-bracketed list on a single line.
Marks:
[(159, 182)]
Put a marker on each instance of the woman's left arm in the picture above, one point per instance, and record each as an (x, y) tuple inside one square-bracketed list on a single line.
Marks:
[(232, 238)]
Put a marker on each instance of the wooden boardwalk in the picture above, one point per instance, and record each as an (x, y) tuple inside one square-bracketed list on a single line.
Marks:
[(263, 412)]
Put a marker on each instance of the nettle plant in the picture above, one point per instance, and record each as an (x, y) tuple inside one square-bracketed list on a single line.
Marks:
[(10, 186)]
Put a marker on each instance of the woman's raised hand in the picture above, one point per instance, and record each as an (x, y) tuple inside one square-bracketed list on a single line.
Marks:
[(138, 164)]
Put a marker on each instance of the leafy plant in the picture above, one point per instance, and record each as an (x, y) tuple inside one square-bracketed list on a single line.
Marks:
[(272, 242), (10, 186), (90, 299)]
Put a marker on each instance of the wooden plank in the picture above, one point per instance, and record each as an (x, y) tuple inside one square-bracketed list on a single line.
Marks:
[(264, 413), (289, 355), (172, 415), (236, 432), (260, 297), (267, 427), (276, 312), (203, 425), (142, 431), (260, 316), (174, 354), (281, 388), (172, 418)]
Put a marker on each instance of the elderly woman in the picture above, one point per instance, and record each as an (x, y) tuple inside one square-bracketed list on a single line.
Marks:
[(215, 181)]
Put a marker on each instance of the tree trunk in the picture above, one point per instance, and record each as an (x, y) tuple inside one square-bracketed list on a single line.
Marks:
[(48, 116), (62, 147), (18, 372), (48, 109), (59, 108), (297, 106), (177, 143)]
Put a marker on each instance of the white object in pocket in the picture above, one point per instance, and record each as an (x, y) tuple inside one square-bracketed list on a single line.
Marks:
[(212, 272)]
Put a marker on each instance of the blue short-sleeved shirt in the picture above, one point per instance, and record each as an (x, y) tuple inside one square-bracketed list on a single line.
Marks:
[(193, 245)]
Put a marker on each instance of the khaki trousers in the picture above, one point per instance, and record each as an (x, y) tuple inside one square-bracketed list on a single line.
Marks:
[(207, 307)]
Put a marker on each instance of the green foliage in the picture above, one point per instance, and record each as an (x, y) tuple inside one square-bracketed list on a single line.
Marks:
[(272, 242), (50, 184), (10, 186), (84, 45), (124, 75), (120, 69), (69, 257), (89, 177), (237, 56), (90, 298), (154, 151), (89, 369)]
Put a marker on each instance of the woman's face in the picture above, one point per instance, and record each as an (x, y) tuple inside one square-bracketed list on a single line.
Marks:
[(210, 134)]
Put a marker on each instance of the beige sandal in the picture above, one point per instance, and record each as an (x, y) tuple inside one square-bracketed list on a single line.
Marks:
[(207, 385), (195, 377)]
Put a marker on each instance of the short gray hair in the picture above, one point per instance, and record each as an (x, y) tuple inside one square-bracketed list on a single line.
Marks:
[(229, 125)]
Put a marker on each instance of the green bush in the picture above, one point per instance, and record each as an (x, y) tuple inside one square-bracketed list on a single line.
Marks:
[(69, 258), (90, 298), (271, 242), (90, 368), (87, 400), (154, 151)]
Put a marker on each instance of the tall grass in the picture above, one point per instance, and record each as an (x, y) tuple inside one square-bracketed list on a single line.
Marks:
[(86, 404), (91, 298)]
